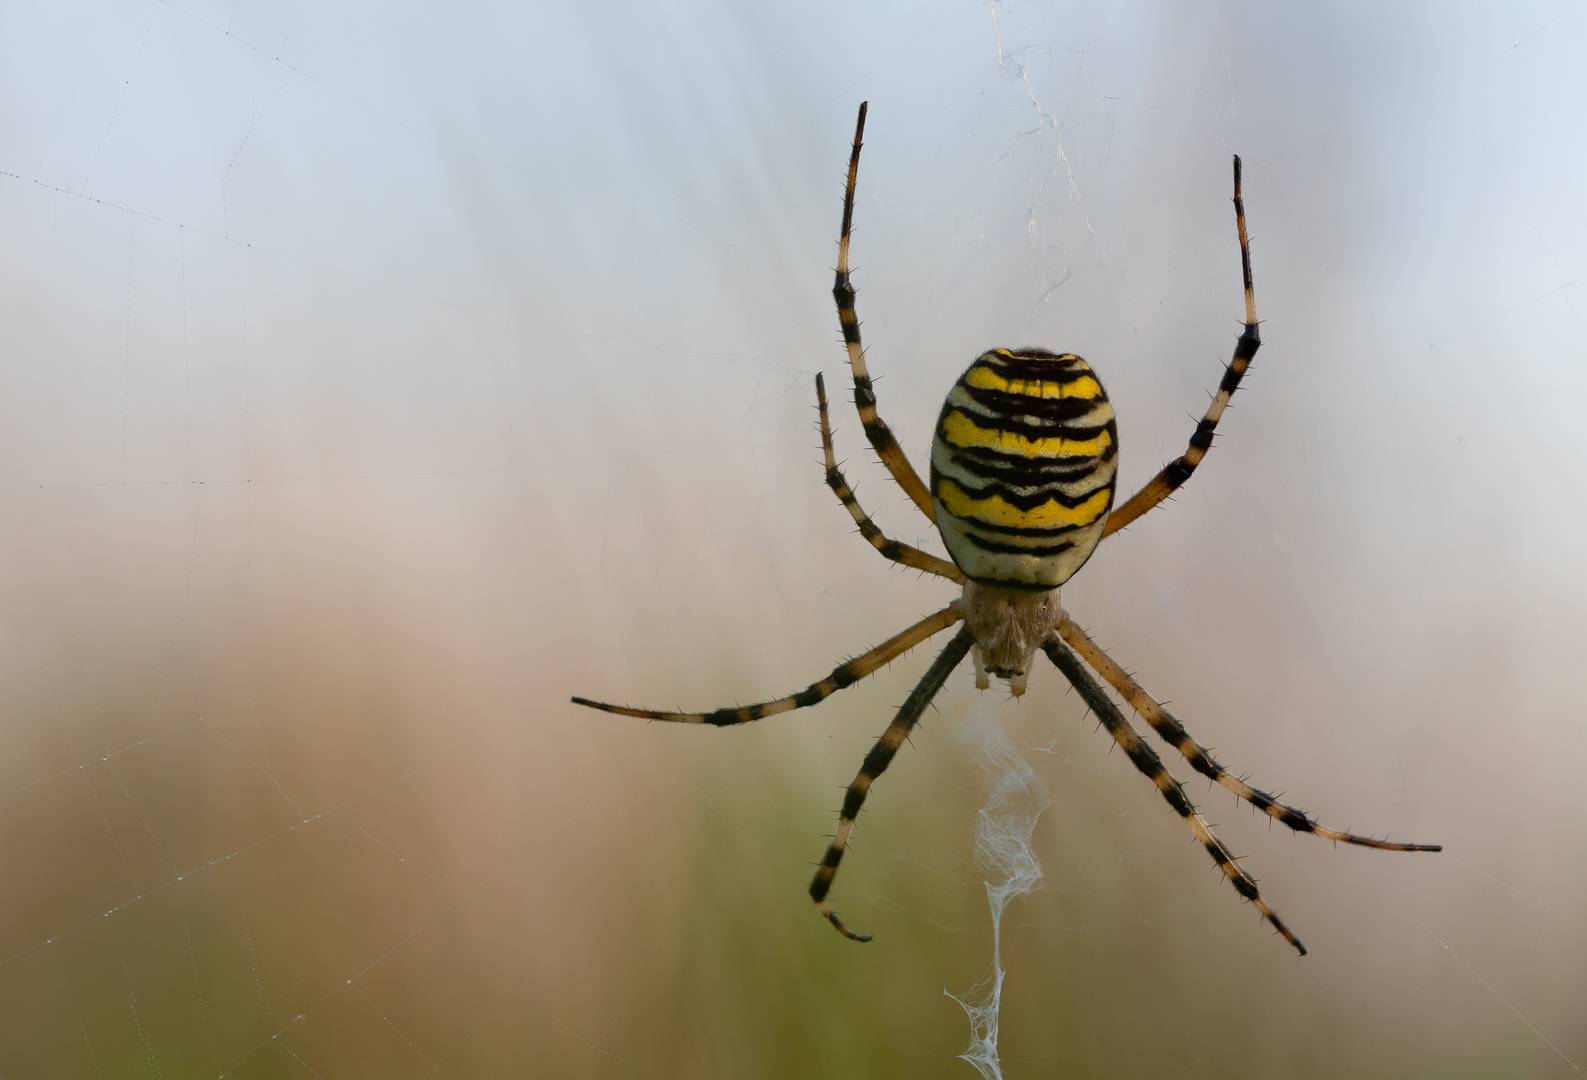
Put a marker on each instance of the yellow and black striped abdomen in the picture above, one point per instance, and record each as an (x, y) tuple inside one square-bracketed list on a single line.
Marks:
[(1022, 467)]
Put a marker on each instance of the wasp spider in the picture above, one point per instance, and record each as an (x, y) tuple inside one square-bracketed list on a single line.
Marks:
[(1021, 489)]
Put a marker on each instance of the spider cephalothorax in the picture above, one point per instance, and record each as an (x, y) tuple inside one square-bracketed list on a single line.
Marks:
[(1022, 481), (1008, 626)]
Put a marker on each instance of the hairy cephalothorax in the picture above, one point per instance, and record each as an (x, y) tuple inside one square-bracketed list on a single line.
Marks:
[(1008, 627), (1023, 465)]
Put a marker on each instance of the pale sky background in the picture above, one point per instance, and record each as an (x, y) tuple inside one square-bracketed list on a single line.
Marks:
[(375, 377)]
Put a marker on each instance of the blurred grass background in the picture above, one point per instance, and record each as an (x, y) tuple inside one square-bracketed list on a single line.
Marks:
[(376, 377)]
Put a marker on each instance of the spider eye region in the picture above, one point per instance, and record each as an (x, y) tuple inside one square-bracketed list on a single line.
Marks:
[(1023, 465)]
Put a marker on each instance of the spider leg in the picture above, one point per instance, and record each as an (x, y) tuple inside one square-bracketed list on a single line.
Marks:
[(876, 763), (876, 430), (891, 549), (1176, 472), (1175, 734), (846, 674), (1145, 759)]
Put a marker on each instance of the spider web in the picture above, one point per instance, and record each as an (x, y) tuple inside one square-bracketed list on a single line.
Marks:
[(1003, 828), (377, 377)]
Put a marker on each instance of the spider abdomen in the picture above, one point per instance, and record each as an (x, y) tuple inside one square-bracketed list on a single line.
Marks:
[(1023, 466)]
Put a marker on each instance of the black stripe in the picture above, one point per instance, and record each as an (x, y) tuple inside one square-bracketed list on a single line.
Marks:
[(1039, 364), (1021, 471), (1242, 884), (1019, 426), (843, 292), (1026, 503), (1015, 474), (1019, 530), (1056, 410), (1034, 353), (864, 394), (1063, 372), (1231, 378), (1175, 795), (1015, 549), (1246, 346)]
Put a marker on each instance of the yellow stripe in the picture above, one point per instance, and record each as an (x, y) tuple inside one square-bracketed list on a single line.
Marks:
[(994, 511), (984, 378), (959, 430)]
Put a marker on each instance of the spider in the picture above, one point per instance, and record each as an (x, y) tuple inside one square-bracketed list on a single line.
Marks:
[(1023, 465)]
